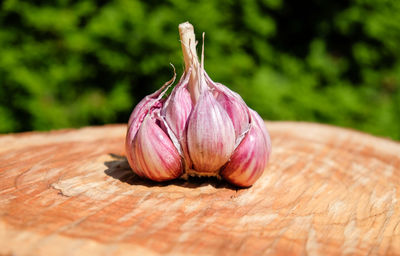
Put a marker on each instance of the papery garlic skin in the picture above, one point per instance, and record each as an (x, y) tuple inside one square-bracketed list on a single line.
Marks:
[(202, 128)]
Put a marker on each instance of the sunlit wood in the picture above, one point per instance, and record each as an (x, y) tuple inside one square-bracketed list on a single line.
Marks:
[(326, 191)]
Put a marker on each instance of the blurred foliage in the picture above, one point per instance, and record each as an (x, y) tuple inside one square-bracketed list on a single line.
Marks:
[(67, 63)]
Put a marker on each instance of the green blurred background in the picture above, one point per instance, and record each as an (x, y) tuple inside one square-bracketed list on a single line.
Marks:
[(76, 63)]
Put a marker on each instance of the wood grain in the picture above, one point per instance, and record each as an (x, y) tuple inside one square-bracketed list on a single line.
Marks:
[(326, 191)]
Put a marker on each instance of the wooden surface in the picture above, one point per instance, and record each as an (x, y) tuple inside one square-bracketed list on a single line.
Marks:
[(326, 191)]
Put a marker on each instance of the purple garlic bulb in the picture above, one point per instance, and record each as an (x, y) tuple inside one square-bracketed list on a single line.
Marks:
[(201, 128)]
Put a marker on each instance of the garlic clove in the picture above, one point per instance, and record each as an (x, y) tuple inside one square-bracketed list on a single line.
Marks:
[(151, 101), (236, 111), (175, 113), (210, 135), (154, 153), (249, 159), (130, 135), (178, 106), (259, 122), (234, 106)]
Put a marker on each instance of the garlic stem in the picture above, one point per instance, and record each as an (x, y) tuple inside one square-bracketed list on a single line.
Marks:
[(188, 43)]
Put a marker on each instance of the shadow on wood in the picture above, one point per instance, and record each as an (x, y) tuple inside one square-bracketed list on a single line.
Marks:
[(119, 169)]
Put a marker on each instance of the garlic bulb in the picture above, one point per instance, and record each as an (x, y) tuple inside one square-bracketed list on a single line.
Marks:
[(202, 128)]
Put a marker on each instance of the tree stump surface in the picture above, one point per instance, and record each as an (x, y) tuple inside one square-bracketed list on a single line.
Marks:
[(326, 191)]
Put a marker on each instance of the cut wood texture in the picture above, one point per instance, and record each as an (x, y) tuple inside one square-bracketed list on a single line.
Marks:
[(326, 191)]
